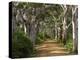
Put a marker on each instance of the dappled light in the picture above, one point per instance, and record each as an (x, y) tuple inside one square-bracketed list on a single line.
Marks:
[(50, 47), (41, 29)]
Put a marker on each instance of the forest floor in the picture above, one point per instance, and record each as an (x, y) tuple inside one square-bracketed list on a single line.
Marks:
[(51, 48)]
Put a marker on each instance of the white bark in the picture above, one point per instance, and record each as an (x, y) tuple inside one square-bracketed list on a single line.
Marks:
[(75, 28), (56, 31), (24, 29), (64, 35)]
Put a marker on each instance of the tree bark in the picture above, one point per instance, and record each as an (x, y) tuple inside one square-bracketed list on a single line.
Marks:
[(64, 34), (75, 28), (56, 31)]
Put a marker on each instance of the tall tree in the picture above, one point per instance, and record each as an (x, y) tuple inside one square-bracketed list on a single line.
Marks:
[(64, 34), (75, 27)]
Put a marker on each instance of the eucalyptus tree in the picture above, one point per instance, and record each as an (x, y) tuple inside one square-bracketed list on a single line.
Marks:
[(48, 18), (64, 21), (55, 13), (75, 28), (28, 17)]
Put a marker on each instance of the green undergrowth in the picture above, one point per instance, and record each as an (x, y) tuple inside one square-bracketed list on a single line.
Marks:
[(69, 45), (21, 45), (41, 37)]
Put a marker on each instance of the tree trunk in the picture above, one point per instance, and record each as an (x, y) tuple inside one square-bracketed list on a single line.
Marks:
[(32, 27), (64, 35), (59, 31), (75, 28), (56, 32)]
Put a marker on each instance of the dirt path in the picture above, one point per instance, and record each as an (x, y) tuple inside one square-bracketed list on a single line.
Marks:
[(51, 48)]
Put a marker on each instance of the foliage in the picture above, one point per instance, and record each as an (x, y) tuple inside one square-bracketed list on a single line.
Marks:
[(21, 45), (47, 36), (69, 44), (41, 22), (40, 38)]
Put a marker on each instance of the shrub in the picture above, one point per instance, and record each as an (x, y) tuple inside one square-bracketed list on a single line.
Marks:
[(40, 35), (47, 36), (21, 45), (39, 38), (69, 45)]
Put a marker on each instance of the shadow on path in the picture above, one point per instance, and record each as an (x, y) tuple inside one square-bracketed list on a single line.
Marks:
[(51, 48)]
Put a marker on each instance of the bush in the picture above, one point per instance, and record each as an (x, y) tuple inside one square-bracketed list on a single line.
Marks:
[(40, 35), (69, 45), (21, 45), (47, 36), (39, 38)]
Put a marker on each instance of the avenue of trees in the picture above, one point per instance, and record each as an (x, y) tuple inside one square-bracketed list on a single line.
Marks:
[(33, 23)]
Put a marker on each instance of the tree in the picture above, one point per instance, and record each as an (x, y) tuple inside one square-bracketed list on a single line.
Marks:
[(64, 33), (75, 28)]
